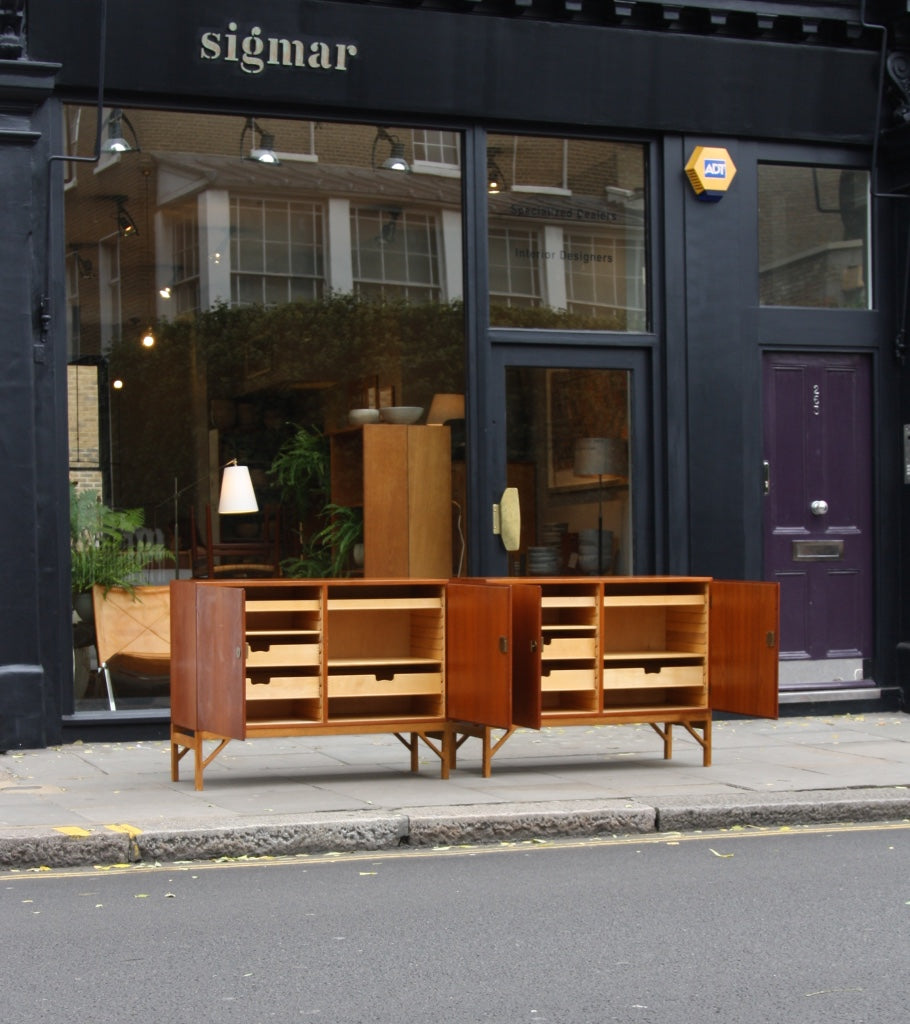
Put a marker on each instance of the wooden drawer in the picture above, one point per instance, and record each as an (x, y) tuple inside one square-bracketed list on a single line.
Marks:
[(569, 679), (260, 655), (282, 688), (367, 685), (557, 647), (658, 678)]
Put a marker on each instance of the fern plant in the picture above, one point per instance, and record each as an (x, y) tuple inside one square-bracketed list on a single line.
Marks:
[(101, 548)]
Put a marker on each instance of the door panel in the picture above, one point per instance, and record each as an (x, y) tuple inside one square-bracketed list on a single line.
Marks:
[(527, 641), (478, 656), (743, 650), (219, 652), (818, 502)]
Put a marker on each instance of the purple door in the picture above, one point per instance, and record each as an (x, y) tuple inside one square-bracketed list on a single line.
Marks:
[(817, 507)]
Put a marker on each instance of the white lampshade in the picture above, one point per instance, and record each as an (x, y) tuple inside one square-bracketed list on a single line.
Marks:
[(237, 494), (601, 456)]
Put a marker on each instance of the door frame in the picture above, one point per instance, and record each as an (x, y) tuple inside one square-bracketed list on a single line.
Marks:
[(564, 351)]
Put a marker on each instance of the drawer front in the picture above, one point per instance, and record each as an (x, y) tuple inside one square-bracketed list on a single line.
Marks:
[(401, 684), (262, 656), (282, 688), (659, 679), (569, 679), (568, 647)]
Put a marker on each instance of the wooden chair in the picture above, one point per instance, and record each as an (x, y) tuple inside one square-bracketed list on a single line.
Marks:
[(255, 558), (132, 633)]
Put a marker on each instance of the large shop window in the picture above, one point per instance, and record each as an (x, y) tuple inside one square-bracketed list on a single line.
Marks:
[(813, 236), (280, 314), (567, 233)]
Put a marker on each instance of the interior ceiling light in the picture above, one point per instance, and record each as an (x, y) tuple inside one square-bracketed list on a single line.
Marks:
[(264, 153), (116, 141), (396, 160)]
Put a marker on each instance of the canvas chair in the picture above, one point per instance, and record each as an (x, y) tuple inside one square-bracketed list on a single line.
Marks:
[(132, 632)]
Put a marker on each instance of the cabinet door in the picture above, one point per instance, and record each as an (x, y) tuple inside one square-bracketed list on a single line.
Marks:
[(221, 703), (526, 647), (743, 648), (478, 653)]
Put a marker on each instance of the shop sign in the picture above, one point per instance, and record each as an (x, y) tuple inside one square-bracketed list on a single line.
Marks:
[(254, 51), (710, 171)]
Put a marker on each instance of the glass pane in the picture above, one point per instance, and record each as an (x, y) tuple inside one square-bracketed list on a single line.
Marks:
[(281, 300), (568, 455), (567, 233), (813, 237)]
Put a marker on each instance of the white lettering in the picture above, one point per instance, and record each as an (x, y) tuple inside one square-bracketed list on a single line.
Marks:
[(211, 46), (252, 47), (255, 51)]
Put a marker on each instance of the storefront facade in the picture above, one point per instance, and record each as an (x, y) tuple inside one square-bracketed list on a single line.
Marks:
[(651, 260)]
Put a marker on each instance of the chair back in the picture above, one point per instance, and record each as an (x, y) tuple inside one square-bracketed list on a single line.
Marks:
[(134, 626)]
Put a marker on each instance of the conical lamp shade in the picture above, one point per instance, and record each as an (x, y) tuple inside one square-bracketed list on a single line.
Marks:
[(237, 494)]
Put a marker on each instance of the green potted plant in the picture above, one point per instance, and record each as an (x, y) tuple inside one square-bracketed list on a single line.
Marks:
[(101, 549), (342, 533)]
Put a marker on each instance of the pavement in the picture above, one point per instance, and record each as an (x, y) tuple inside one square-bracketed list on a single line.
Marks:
[(113, 803)]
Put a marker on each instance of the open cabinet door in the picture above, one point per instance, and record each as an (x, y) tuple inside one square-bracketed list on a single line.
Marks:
[(527, 644), (743, 646), (478, 653), (221, 695)]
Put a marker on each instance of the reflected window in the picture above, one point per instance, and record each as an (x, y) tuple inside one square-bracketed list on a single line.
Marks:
[(813, 237), (276, 251), (566, 233), (395, 254)]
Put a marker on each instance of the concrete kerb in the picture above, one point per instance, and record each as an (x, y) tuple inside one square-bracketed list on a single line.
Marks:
[(680, 814), (322, 833)]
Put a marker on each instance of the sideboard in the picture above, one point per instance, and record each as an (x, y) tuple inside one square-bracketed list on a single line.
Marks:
[(436, 662)]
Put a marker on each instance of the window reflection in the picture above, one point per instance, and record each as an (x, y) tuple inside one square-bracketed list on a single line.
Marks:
[(813, 236), (566, 233), (282, 296)]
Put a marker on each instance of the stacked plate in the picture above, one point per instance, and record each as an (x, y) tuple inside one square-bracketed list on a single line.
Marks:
[(543, 561), (588, 548)]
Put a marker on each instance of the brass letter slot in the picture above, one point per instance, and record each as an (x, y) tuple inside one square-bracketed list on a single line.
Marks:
[(817, 550)]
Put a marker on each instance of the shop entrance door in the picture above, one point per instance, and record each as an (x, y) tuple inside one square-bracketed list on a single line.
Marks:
[(817, 512), (574, 441)]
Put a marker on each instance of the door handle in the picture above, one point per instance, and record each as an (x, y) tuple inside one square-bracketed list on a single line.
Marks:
[(819, 508)]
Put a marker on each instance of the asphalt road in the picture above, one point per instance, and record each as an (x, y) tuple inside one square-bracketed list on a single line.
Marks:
[(758, 926)]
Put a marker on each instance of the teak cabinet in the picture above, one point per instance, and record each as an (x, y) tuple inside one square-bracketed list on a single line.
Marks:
[(402, 477), (437, 661), (661, 650), (292, 658)]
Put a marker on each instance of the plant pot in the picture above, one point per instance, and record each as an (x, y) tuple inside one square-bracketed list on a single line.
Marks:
[(83, 606)]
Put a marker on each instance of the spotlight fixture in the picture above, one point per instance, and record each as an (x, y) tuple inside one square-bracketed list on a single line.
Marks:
[(264, 153), (495, 177), (126, 226), (148, 337), (116, 141), (395, 161)]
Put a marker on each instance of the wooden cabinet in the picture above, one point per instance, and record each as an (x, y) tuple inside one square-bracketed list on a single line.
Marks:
[(621, 649), (402, 476), (294, 658), (434, 661)]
